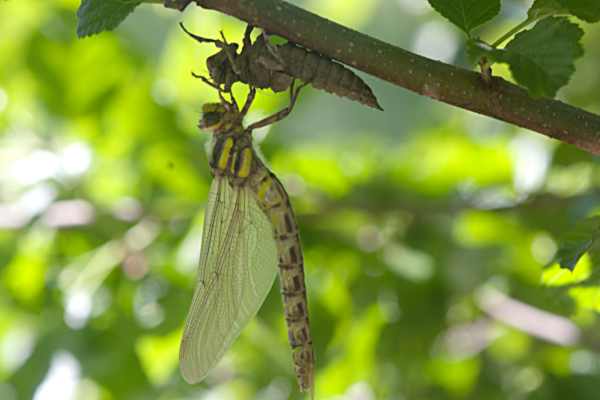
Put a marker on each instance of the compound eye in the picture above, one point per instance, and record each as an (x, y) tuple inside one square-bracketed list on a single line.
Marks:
[(210, 120), (212, 107)]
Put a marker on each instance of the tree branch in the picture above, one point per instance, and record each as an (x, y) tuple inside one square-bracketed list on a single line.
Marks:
[(447, 83)]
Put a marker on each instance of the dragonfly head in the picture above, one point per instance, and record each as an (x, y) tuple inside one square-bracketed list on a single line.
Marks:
[(219, 117)]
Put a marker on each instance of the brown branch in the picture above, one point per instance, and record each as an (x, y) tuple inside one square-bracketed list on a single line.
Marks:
[(447, 83)]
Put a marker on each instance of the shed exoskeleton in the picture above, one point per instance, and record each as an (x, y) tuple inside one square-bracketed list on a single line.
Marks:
[(265, 65)]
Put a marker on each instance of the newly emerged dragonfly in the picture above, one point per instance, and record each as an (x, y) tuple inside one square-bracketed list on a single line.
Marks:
[(249, 231)]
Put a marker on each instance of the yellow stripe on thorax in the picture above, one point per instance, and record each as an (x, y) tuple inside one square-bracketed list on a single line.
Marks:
[(246, 155), (225, 152)]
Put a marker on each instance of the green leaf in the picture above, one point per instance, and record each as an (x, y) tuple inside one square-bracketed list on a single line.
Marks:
[(467, 14), (542, 58), (587, 10), (95, 16), (577, 242), (545, 8)]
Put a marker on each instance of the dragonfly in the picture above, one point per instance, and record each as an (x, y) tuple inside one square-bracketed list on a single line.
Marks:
[(250, 233)]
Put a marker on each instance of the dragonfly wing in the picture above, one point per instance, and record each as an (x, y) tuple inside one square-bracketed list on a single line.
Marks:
[(238, 263)]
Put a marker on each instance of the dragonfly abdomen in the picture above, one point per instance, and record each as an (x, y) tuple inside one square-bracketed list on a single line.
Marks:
[(324, 73), (274, 201)]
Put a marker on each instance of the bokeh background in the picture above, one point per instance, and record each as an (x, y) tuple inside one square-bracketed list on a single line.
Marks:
[(427, 230)]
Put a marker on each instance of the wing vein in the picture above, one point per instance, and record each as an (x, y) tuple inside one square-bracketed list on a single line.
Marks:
[(238, 264)]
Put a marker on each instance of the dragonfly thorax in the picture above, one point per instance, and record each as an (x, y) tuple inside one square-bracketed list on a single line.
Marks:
[(233, 156)]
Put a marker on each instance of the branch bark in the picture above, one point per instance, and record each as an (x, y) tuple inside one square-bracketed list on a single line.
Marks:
[(447, 83)]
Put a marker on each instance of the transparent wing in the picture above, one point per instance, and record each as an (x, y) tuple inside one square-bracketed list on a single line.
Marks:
[(238, 263)]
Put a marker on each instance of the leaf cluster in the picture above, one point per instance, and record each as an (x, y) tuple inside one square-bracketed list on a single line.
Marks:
[(540, 58)]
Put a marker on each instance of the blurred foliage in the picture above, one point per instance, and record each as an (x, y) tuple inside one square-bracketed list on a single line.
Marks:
[(578, 242), (428, 231)]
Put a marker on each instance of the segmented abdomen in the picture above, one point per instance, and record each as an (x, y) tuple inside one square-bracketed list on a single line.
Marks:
[(274, 201), (324, 73)]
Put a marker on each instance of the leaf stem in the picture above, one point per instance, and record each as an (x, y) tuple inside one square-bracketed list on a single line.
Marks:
[(513, 31)]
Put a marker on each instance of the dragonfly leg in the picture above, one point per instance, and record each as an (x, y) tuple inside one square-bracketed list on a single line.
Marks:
[(278, 116), (247, 38), (294, 93), (230, 54), (207, 81), (201, 39), (233, 101), (219, 90), (249, 100)]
